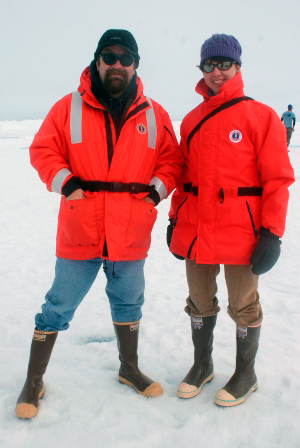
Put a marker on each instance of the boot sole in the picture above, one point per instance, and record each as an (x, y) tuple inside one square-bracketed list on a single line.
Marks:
[(26, 410), (154, 390), (196, 391), (227, 403)]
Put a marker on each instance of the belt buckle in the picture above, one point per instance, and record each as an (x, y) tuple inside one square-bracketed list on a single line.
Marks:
[(195, 190), (187, 187), (132, 188), (117, 187)]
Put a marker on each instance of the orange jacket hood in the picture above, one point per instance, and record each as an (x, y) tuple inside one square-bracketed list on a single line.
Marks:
[(85, 88)]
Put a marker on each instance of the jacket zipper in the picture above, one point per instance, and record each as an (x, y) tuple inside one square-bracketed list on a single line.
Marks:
[(252, 220), (110, 147)]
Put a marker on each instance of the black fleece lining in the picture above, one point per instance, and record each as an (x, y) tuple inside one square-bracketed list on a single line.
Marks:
[(110, 149), (135, 111)]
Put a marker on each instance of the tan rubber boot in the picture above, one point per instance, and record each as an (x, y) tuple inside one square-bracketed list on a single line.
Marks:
[(202, 371), (244, 381), (33, 390), (129, 373)]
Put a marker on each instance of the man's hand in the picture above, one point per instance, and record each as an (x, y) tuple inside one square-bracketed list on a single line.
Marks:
[(77, 194), (147, 199)]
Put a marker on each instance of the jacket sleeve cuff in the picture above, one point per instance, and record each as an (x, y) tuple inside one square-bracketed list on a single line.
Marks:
[(154, 196), (266, 232), (159, 187), (70, 186)]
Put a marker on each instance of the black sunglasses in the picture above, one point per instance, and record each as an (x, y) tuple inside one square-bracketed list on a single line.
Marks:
[(111, 58), (223, 66)]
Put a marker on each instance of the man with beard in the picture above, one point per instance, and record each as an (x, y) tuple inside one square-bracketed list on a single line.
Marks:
[(112, 154)]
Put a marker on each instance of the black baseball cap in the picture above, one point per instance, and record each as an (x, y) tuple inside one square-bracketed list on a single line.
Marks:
[(122, 38)]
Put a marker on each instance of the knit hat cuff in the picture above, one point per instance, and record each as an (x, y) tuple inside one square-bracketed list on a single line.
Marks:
[(220, 50)]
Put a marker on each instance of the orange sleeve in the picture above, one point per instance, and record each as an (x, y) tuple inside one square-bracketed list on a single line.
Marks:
[(168, 167), (49, 149), (275, 170), (179, 194)]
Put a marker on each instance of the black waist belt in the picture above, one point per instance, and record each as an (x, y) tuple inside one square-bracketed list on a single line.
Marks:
[(250, 191), (241, 191), (189, 188), (115, 187)]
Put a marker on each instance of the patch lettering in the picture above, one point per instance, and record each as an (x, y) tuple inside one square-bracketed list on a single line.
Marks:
[(39, 337), (242, 331), (134, 327), (197, 323), (235, 136), (141, 129)]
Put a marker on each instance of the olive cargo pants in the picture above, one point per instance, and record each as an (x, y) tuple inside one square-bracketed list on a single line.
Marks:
[(243, 298)]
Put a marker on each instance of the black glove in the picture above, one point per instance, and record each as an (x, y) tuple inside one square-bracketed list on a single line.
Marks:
[(266, 252), (169, 238)]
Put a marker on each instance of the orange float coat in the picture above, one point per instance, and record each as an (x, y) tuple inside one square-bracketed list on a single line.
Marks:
[(119, 221), (242, 146)]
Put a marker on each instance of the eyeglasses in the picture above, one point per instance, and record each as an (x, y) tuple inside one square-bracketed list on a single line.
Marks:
[(223, 66), (111, 58)]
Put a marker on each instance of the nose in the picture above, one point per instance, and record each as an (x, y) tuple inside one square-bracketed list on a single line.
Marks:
[(217, 69), (117, 64)]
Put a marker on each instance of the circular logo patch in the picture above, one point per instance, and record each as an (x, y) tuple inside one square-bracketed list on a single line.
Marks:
[(141, 129), (235, 136)]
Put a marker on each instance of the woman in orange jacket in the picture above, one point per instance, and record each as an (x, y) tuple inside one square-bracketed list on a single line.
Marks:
[(229, 209)]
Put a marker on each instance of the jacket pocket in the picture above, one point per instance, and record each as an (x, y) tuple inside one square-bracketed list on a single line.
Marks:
[(191, 247), (177, 211), (78, 222), (255, 231), (141, 221)]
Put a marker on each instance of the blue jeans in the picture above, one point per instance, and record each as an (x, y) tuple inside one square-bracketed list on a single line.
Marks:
[(73, 279)]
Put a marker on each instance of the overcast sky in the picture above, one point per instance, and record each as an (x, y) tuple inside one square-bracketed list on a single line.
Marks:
[(45, 45)]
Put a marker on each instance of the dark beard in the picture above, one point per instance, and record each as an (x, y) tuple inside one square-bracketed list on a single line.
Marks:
[(115, 86)]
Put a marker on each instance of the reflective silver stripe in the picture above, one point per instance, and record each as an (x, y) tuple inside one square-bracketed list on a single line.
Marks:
[(151, 125), (59, 179), (159, 187), (76, 118)]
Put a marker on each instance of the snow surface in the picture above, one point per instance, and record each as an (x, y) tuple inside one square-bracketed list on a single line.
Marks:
[(84, 404)]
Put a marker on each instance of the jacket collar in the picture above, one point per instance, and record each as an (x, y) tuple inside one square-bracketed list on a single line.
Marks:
[(233, 88), (85, 89)]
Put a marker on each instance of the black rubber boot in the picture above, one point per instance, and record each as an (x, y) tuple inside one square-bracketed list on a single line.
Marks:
[(202, 370), (129, 373), (33, 390), (244, 381)]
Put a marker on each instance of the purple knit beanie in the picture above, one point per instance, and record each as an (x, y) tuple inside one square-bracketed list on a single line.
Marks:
[(221, 45)]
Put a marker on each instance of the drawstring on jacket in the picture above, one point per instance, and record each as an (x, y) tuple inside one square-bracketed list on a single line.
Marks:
[(113, 272), (105, 267)]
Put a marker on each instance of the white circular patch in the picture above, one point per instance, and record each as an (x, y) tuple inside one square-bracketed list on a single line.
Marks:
[(235, 136), (141, 129)]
